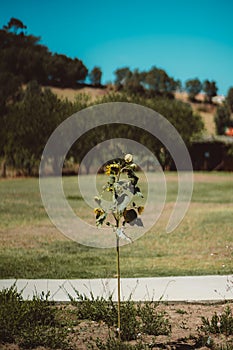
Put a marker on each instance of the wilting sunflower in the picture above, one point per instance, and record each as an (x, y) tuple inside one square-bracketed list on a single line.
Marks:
[(112, 169), (129, 215), (98, 212), (128, 158), (140, 210)]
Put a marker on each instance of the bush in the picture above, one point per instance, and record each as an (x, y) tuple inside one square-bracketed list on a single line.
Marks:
[(98, 309), (153, 323), (30, 323), (11, 314), (222, 323), (130, 324), (135, 319)]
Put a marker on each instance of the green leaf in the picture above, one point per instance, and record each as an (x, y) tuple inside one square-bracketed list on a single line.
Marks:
[(122, 202), (121, 234), (138, 222), (137, 192)]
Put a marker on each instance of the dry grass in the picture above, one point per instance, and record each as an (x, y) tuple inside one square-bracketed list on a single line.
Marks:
[(70, 94), (201, 244), (207, 111)]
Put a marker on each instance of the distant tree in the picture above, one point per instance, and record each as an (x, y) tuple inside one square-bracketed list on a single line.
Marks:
[(210, 89), (30, 122), (133, 82), (10, 86), (122, 74), (14, 24), (193, 87), (10, 89), (152, 80), (179, 85), (230, 98), (23, 56), (180, 114), (65, 72), (222, 118), (159, 82), (95, 76)]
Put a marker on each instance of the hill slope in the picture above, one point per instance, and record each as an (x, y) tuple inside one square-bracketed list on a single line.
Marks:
[(207, 111)]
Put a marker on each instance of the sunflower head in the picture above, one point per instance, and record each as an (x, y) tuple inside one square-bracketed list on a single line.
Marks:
[(112, 169), (140, 210), (98, 212), (129, 215), (128, 158)]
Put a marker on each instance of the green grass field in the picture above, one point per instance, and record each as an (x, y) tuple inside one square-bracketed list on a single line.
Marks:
[(31, 247)]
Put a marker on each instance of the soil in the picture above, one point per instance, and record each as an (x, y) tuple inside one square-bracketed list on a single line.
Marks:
[(185, 320)]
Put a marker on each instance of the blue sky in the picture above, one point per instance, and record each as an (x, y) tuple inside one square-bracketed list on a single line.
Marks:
[(186, 38)]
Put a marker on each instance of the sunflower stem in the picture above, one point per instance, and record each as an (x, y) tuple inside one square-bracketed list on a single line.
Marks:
[(118, 285)]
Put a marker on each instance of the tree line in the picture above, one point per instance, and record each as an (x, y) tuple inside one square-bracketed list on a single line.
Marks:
[(29, 113), (223, 116), (24, 57), (35, 112), (157, 82)]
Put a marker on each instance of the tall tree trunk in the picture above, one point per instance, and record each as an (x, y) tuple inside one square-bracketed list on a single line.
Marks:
[(3, 168)]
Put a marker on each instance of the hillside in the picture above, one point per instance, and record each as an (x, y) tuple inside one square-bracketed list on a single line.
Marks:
[(71, 93), (207, 111)]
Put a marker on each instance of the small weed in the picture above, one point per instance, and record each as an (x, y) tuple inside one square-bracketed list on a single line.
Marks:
[(181, 311), (153, 323), (135, 319), (130, 324), (95, 309), (100, 309), (222, 323), (225, 347), (204, 340), (51, 337)]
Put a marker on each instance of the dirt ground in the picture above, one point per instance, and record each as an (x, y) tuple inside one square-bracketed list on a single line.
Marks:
[(185, 320)]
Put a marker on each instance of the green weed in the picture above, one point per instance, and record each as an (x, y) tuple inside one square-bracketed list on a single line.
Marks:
[(95, 309), (153, 323), (135, 318), (222, 323), (130, 323), (181, 311), (30, 323), (228, 346)]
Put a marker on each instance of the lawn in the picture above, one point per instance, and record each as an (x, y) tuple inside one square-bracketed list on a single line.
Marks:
[(31, 247)]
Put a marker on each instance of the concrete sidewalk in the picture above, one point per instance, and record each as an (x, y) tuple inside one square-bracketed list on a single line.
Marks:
[(170, 289)]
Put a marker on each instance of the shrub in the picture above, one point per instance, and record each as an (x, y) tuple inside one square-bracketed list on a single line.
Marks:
[(153, 323), (11, 314), (130, 324), (98, 309), (222, 323), (30, 323), (134, 318)]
